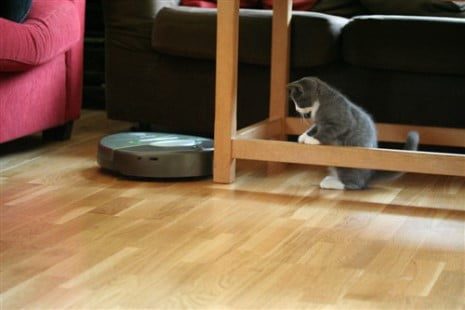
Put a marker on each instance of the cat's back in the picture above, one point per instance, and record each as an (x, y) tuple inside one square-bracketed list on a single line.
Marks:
[(364, 131), (354, 121)]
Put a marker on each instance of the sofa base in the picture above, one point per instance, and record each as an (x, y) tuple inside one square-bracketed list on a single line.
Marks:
[(59, 133)]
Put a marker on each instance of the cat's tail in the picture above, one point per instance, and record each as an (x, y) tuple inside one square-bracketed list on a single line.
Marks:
[(413, 139)]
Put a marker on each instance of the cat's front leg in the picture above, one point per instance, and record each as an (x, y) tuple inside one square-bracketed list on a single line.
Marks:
[(307, 137), (329, 132)]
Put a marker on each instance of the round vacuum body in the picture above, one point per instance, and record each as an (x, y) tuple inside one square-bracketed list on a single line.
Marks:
[(156, 155)]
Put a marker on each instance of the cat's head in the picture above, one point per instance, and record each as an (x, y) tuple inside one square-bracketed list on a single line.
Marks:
[(304, 93)]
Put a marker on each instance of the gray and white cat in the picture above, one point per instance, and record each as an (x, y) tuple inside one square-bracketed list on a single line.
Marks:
[(338, 121)]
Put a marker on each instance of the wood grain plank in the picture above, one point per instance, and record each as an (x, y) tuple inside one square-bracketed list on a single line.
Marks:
[(384, 159), (85, 239)]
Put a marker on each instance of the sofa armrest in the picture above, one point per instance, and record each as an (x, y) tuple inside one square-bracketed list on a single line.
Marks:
[(75, 67), (165, 3), (52, 28), (129, 57), (128, 23), (115, 10)]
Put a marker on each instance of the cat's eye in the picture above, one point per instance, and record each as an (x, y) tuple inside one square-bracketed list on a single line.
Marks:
[(307, 115)]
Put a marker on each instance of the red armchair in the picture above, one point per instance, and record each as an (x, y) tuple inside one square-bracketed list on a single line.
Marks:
[(41, 70)]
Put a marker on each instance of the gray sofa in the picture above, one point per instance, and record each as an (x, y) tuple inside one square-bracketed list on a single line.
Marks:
[(160, 62)]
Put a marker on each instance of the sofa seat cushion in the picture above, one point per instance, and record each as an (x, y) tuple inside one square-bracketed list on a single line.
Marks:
[(406, 43), (191, 32), (52, 27)]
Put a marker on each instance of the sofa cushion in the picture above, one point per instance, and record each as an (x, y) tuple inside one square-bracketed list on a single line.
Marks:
[(212, 3), (15, 10), (416, 7), (298, 5), (345, 8), (191, 32), (199, 3), (410, 44), (52, 27), (301, 5)]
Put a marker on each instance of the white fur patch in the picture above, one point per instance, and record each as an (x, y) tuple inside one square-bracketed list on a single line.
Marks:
[(316, 105), (331, 182), (306, 139), (313, 109), (303, 110)]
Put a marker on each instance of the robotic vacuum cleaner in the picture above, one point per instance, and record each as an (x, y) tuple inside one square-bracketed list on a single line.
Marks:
[(156, 155)]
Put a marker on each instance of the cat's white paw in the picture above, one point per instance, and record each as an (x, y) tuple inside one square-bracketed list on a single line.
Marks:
[(306, 139), (331, 182)]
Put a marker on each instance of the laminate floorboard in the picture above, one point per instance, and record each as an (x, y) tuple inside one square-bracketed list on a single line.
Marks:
[(74, 236)]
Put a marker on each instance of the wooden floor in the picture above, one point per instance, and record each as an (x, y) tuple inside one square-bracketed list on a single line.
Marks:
[(73, 236)]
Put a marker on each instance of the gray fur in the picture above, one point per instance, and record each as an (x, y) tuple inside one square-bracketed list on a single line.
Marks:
[(338, 121)]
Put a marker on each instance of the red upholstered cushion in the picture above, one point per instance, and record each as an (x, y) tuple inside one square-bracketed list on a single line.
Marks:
[(53, 26), (212, 3), (298, 5), (199, 3)]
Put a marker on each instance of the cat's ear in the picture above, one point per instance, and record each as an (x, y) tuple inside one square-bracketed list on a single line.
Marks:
[(292, 85), (316, 85), (295, 88)]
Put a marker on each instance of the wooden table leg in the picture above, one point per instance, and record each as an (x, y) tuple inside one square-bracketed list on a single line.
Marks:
[(280, 60), (250, 145), (224, 166), (280, 63)]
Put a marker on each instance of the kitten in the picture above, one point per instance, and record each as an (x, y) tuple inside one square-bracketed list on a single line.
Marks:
[(338, 121)]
